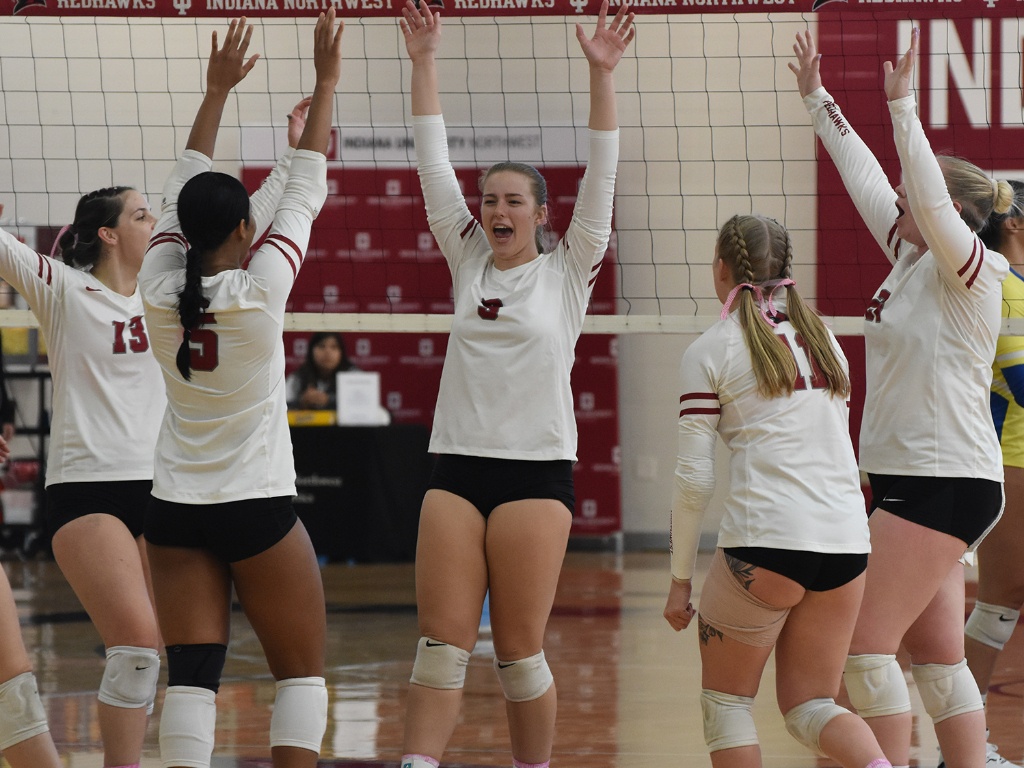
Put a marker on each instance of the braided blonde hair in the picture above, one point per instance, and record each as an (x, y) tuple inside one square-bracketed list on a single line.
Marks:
[(758, 250)]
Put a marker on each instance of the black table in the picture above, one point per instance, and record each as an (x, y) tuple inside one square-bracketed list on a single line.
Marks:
[(360, 489)]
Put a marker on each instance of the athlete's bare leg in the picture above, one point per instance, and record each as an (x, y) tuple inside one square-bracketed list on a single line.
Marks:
[(38, 751), (451, 580), (809, 658), (1000, 571), (937, 638), (526, 543), (908, 565), (282, 594), (100, 559)]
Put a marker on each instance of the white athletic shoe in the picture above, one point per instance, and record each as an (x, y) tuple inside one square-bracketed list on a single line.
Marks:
[(992, 758)]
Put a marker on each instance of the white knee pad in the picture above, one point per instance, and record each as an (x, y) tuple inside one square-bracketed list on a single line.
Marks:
[(129, 679), (21, 711), (876, 685), (525, 679), (991, 625), (947, 690), (439, 665), (728, 721), (187, 726), (300, 713), (806, 721)]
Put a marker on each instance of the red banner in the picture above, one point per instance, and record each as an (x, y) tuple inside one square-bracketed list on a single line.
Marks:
[(390, 8)]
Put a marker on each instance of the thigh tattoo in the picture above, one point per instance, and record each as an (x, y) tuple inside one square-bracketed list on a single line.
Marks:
[(706, 631), (741, 571)]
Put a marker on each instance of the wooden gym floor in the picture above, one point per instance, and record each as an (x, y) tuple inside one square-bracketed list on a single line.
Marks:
[(627, 684)]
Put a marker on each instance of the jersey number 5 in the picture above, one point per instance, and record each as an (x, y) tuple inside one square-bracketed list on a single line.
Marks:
[(204, 353)]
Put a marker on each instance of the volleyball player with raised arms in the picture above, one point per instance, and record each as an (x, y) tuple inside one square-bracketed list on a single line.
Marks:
[(106, 404), (1000, 595), (221, 513), (927, 441), (499, 506), (771, 379)]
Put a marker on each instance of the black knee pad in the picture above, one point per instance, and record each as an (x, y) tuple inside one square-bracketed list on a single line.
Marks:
[(199, 666)]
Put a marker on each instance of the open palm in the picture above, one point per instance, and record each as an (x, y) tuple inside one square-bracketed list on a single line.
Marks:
[(421, 28), (605, 48)]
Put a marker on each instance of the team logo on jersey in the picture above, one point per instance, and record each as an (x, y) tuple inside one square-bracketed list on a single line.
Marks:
[(21, 5), (488, 308)]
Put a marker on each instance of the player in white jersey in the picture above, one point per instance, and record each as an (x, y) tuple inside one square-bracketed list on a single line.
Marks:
[(25, 740), (927, 441), (107, 397), (770, 378), (499, 506), (221, 513), (1001, 555)]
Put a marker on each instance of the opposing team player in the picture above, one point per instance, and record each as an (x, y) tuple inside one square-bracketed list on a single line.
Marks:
[(221, 512), (107, 399), (927, 441), (499, 506), (792, 550), (1001, 555)]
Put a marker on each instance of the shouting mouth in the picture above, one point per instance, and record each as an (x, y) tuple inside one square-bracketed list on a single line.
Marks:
[(502, 233)]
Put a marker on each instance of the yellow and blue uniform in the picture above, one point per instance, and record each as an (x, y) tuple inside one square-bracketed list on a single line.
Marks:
[(1008, 378)]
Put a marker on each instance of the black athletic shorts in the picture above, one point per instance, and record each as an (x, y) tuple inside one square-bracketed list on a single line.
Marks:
[(487, 483), (965, 507), (232, 530), (124, 499), (814, 571)]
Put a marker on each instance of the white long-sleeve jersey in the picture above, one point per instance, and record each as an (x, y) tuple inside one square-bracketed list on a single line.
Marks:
[(107, 391), (930, 330), (793, 480), (225, 433), (505, 383)]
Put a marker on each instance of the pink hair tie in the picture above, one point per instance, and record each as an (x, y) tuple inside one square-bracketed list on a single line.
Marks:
[(727, 307), (765, 306), (56, 242), (775, 285)]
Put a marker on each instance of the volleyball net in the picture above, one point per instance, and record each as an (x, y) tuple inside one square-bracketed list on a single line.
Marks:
[(102, 92)]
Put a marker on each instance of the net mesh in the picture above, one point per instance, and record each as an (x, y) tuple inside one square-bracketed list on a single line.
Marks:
[(711, 125)]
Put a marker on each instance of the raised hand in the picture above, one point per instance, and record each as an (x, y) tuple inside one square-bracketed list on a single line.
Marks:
[(604, 50), (316, 133), (297, 121), (421, 28), (807, 69), (327, 49), (897, 79), (228, 65)]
